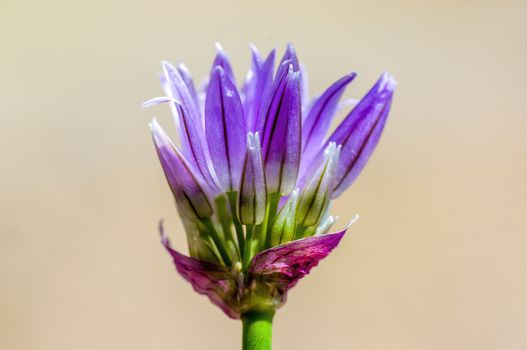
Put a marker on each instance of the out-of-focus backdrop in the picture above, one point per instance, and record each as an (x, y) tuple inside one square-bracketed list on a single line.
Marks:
[(437, 260)]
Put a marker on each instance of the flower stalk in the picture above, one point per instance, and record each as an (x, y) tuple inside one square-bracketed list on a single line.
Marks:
[(257, 330)]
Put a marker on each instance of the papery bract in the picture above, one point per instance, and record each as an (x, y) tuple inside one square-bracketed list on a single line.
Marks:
[(271, 275)]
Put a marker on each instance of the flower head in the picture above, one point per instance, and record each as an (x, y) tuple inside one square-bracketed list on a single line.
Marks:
[(255, 172)]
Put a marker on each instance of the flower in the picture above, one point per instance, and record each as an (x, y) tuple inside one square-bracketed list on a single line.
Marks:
[(254, 174)]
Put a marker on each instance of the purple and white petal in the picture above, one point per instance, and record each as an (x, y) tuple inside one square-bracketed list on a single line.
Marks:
[(189, 82), (360, 132), (319, 118), (198, 152), (258, 91), (189, 189), (225, 129), (178, 88), (282, 133), (289, 58), (189, 123), (222, 61)]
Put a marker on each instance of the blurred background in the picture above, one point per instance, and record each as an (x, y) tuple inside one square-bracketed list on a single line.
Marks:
[(437, 260)]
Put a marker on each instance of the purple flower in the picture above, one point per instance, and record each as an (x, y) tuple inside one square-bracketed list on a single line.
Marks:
[(255, 171)]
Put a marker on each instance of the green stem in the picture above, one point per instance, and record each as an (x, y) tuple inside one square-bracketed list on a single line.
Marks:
[(257, 330), (300, 232), (221, 203), (211, 231), (272, 206), (248, 251), (237, 225)]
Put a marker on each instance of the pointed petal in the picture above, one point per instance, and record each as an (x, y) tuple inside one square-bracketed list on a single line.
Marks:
[(283, 266), (225, 129), (178, 89), (188, 120), (360, 132), (212, 280), (194, 141), (222, 60), (250, 80), (252, 195), (319, 118), (291, 59), (258, 89), (189, 82), (185, 147), (281, 138), (186, 183)]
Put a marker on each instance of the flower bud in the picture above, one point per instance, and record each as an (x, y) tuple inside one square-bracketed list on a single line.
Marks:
[(316, 194), (252, 194), (284, 226)]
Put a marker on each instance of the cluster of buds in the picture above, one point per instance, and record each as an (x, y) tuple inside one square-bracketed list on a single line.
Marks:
[(255, 172)]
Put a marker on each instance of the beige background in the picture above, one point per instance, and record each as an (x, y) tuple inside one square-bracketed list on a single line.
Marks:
[(437, 260)]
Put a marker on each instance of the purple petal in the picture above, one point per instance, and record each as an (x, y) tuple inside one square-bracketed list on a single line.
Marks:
[(359, 133), (275, 90), (189, 123), (189, 83), (178, 88), (258, 89), (281, 137), (194, 141), (222, 60), (225, 129), (289, 58), (286, 264), (256, 65), (215, 281), (175, 115), (187, 186), (318, 120)]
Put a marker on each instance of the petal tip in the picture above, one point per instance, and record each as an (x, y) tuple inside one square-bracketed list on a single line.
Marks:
[(219, 48), (254, 49), (387, 82), (166, 65)]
